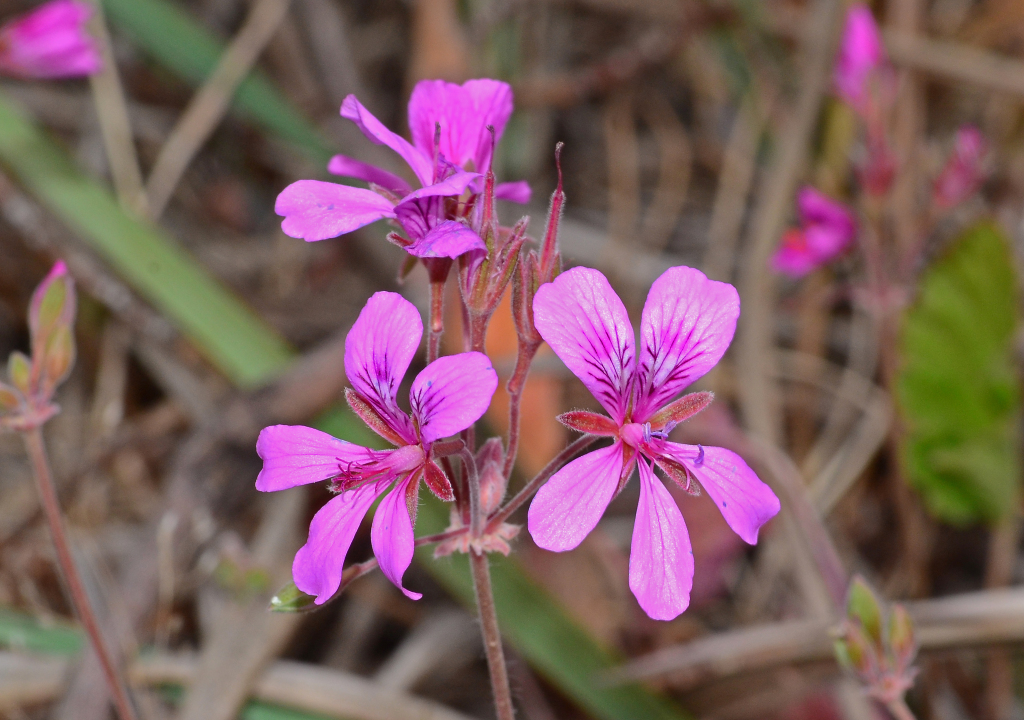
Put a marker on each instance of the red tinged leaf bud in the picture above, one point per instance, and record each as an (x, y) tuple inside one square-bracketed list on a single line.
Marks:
[(19, 370), (862, 607), (493, 482), (10, 399), (589, 423), (901, 638), (682, 409)]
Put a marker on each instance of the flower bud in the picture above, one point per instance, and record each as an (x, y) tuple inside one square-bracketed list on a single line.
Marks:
[(19, 370), (60, 355), (862, 607), (10, 399), (963, 171), (492, 480), (52, 306), (901, 637)]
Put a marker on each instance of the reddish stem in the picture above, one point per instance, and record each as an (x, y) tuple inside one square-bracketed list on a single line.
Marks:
[(36, 449), (515, 386), (492, 635), (436, 321), (531, 487)]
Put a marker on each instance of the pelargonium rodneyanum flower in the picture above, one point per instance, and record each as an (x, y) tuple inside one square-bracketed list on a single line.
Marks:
[(686, 327), (963, 172), (49, 42), (448, 396), (451, 151), (862, 76), (827, 229)]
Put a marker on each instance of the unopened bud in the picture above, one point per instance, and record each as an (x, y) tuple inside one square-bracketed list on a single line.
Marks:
[(9, 398), (52, 306), (290, 599), (963, 172), (862, 607), (860, 652), (493, 482), (60, 355), (19, 370), (901, 637)]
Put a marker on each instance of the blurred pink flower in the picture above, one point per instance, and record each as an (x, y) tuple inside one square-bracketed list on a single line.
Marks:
[(49, 42), (447, 396), (450, 153), (687, 324), (827, 228), (962, 174), (862, 75)]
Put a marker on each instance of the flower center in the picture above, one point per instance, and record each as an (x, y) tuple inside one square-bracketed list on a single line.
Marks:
[(379, 467)]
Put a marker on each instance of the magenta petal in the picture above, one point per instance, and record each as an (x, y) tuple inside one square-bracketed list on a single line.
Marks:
[(318, 564), (687, 325), (517, 192), (315, 210), (421, 164), (745, 502), (456, 184), (462, 114), (392, 537), (569, 505), (452, 393), (350, 167), (378, 350), (586, 324), (449, 239), (297, 455), (818, 209), (420, 211), (660, 559), (861, 55), (50, 42), (794, 260)]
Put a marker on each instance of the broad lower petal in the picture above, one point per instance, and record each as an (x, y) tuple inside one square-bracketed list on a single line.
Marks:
[(449, 239), (687, 325), (421, 164), (296, 455), (318, 564), (661, 558), (422, 210), (745, 502), (569, 505), (378, 350), (392, 536), (586, 324), (350, 167), (517, 192), (452, 393), (315, 210)]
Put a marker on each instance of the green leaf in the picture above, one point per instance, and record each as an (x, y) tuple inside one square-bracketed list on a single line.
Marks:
[(957, 386), (23, 632), (219, 324), (190, 50)]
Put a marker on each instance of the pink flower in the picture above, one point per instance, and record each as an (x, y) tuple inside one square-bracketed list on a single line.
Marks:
[(49, 42), (962, 174), (449, 395), (827, 228), (687, 324), (459, 116), (862, 75)]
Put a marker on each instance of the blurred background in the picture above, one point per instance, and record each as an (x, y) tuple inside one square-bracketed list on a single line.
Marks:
[(689, 127)]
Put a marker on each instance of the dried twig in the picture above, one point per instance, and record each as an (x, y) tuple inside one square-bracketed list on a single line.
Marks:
[(208, 106)]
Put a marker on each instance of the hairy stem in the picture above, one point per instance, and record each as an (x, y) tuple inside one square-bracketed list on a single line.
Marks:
[(515, 386), (476, 520), (492, 635), (899, 710), (531, 487), (51, 507), (436, 321)]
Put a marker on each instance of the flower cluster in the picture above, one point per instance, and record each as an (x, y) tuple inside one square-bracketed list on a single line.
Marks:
[(450, 221), (49, 42)]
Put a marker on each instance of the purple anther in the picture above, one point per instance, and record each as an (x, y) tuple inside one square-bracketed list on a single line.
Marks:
[(700, 456)]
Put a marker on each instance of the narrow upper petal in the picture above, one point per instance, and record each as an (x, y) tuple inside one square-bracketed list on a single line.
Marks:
[(586, 324), (392, 536), (569, 505), (687, 325), (745, 502), (297, 455), (350, 167), (517, 192), (378, 350), (449, 239), (661, 558), (452, 393), (421, 164), (316, 210), (318, 564), (461, 114)]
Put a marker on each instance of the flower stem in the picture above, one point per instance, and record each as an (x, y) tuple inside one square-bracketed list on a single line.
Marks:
[(899, 710), (516, 384), (51, 507), (492, 635), (436, 321), (531, 487)]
